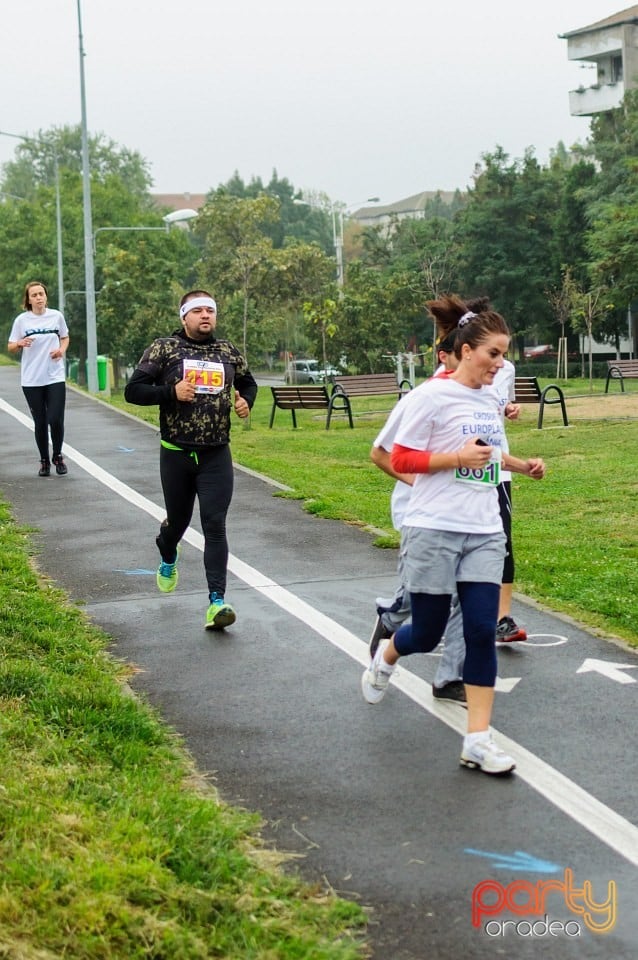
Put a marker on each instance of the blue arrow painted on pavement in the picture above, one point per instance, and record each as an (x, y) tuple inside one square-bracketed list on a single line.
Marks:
[(126, 449), (139, 572), (519, 860)]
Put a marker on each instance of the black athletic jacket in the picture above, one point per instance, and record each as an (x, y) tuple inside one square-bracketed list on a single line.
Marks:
[(206, 421)]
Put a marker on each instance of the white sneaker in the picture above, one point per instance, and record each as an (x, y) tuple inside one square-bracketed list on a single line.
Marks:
[(486, 756), (376, 678)]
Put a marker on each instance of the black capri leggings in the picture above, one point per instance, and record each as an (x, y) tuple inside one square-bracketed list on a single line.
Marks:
[(47, 409), (505, 506)]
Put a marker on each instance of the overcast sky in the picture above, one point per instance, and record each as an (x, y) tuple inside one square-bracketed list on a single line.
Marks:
[(354, 98)]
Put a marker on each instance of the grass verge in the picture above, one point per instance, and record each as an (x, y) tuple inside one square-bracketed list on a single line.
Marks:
[(109, 848)]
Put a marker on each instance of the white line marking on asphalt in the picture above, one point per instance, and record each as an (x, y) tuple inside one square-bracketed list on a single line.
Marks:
[(614, 671), (595, 817), (506, 684), (556, 640)]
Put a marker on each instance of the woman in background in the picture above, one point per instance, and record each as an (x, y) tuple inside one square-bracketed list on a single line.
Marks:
[(42, 337)]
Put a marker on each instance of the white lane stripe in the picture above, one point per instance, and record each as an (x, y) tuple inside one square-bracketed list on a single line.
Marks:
[(595, 817)]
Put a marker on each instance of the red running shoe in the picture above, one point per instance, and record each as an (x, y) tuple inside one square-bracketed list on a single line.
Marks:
[(508, 631)]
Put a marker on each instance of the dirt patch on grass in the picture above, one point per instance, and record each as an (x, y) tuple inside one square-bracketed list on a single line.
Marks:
[(623, 406)]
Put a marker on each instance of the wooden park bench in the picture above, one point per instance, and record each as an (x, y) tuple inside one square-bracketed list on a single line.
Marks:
[(362, 385), (528, 390), (621, 370), (307, 397)]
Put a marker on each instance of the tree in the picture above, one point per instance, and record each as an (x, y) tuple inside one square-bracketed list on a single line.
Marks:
[(132, 271), (307, 221), (613, 212), (323, 317), (262, 286), (561, 299), (588, 307), (235, 250), (141, 282), (374, 318), (34, 163), (505, 239), (573, 181)]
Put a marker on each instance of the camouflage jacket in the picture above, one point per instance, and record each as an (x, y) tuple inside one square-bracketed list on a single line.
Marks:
[(214, 365)]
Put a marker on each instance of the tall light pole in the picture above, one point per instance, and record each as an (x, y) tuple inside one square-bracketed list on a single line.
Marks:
[(89, 276), (337, 210), (58, 211)]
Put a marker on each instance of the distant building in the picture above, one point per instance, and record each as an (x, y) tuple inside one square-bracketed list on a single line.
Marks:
[(612, 46), (413, 208), (179, 201)]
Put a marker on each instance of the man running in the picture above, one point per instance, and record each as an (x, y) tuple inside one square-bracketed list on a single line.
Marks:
[(190, 375)]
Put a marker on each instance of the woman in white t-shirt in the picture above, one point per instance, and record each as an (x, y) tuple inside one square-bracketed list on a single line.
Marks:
[(41, 334), (451, 438)]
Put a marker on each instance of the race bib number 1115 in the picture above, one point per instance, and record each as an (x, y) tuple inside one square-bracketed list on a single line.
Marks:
[(208, 376)]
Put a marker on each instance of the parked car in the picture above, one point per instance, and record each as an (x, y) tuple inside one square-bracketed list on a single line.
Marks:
[(542, 350), (309, 371)]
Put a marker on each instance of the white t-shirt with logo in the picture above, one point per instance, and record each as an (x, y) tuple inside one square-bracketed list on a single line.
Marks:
[(504, 388), (442, 416), (386, 439), (401, 492), (37, 366)]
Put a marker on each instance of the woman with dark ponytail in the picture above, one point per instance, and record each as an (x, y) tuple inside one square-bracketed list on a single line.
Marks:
[(451, 438)]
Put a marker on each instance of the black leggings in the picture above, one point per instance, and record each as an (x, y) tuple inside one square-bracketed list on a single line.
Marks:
[(505, 506), (47, 409), (207, 475)]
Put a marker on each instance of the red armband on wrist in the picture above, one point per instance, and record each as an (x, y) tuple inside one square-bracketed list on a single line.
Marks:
[(407, 460)]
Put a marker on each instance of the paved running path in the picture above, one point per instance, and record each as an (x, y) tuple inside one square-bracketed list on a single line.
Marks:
[(372, 798)]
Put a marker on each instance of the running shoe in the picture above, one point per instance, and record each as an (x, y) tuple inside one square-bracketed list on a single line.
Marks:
[(219, 614), (60, 465), (167, 576), (454, 691), (508, 631), (486, 756), (376, 678), (45, 469), (380, 632)]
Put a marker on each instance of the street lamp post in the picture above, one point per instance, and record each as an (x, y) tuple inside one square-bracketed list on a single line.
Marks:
[(337, 211), (89, 276), (177, 216), (58, 211)]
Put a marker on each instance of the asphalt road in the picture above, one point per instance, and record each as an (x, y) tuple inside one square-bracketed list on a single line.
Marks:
[(372, 798)]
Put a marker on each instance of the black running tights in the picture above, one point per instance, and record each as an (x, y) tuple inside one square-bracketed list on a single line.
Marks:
[(47, 409), (207, 475)]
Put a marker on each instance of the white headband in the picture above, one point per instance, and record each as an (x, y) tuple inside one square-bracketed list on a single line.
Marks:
[(197, 302), (466, 318)]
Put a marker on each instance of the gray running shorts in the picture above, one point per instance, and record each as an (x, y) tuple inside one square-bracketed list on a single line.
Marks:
[(438, 559)]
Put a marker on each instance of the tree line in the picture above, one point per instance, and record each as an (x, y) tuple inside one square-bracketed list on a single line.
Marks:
[(552, 245)]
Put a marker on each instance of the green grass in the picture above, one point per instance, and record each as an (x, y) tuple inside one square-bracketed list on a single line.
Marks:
[(109, 845), (575, 532)]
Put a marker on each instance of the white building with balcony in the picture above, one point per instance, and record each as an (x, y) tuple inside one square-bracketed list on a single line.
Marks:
[(612, 46)]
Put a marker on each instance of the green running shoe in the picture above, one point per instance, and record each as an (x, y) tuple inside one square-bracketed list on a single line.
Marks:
[(219, 613), (167, 576)]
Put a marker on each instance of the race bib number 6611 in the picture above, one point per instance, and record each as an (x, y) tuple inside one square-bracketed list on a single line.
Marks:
[(206, 375)]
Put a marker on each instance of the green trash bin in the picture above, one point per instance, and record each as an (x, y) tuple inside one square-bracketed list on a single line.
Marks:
[(102, 367), (74, 371), (102, 372)]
